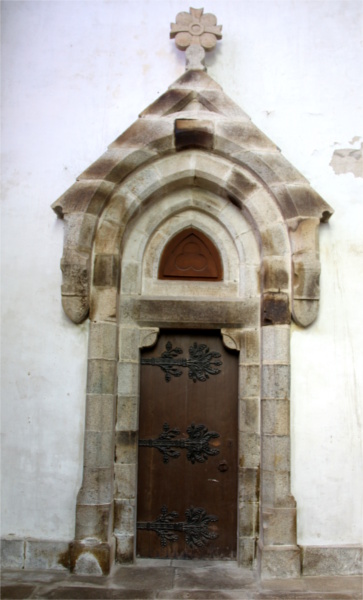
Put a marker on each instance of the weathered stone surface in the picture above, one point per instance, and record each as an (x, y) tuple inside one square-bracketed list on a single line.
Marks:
[(275, 452), (276, 273), (275, 240), (279, 562), (103, 340), (90, 557), (193, 133), (279, 526), (79, 231), (101, 376), (275, 309), (124, 548), (106, 270), (97, 486), (125, 481), (93, 521), (249, 484), (276, 343), (128, 378), (127, 413), (248, 515), (276, 488), (247, 551), (12, 553), (46, 554), (275, 417), (325, 560), (249, 381), (243, 133), (240, 185), (249, 415), (84, 197), (124, 517), (249, 450), (276, 381), (98, 448), (126, 447), (155, 134), (117, 163), (306, 278), (103, 304), (304, 312)]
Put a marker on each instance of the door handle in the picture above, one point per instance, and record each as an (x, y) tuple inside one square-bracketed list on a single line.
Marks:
[(223, 466)]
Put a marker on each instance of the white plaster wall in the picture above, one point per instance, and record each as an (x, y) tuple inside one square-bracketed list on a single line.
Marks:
[(75, 75)]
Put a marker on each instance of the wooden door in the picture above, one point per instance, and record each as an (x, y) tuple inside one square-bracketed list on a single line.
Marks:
[(187, 477)]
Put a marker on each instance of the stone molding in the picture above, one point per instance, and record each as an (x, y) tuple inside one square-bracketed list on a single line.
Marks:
[(193, 157)]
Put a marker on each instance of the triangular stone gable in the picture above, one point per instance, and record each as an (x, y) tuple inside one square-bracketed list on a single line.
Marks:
[(193, 113)]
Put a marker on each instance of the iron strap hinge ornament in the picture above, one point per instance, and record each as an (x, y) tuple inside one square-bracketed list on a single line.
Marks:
[(201, 362), (195, 528), (197, 445)]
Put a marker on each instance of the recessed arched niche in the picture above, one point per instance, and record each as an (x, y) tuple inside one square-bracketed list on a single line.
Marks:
[(189, 255)]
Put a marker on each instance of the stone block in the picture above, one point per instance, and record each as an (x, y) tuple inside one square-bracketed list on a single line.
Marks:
[(106, 270), (101, 376), (243, 133), (249, 381), (275, 417), (279, 562), (249, 281), (127, 413), (306, 278), (103, 304), (263, 211), (276, 489), (108, 237), (304, 312), (100, 411), (128, 378), (97, 486), (90, 557), (251, 251), (248, 518), (117, 162), (275, 340), (332, 560), (275, 309), (129, 341), (275, 240), (12, 553), (131, 277), (240, 185), (276, 381), (124, 517), (124, 548), (125, 481), (276, 273), (304, 235), (46, 554), (275, 452), (193, 133), (249, 415), (98, 448), (257, 164), (126, 447), (307, 201), (93, 521), (84, 196), (103, 340), (247, 551), (249, 346), (279, 526), (154, 133), (79, 231), (249, 485), (249, 450)]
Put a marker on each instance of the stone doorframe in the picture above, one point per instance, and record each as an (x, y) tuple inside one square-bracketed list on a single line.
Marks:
[(162, 176)]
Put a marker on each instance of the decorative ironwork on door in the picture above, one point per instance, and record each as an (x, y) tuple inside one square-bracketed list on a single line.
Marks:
[(201, 362), (197, 444), (196, 527)]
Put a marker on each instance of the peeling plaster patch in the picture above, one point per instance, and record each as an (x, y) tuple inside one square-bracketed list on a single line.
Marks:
[(348, 160)]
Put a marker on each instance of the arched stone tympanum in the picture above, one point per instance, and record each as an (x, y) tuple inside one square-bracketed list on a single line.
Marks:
[(192, 160)]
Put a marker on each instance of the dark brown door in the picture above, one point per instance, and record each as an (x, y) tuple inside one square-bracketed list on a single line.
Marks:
[(187, 478)]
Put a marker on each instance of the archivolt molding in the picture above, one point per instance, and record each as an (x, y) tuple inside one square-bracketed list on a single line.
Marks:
[(173, 146)]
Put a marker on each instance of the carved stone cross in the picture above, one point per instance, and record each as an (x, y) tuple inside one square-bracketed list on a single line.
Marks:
[(195, 32)]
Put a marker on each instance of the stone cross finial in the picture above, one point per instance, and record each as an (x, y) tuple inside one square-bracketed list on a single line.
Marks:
[(195, 33)]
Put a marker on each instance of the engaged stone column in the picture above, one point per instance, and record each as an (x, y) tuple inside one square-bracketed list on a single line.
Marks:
[(93, 548), (279, 555)]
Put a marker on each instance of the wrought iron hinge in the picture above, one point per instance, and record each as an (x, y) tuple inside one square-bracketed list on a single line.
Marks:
[(197, 444), (201, 362), (195, 528)]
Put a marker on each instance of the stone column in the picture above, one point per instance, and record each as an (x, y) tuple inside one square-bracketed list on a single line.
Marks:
[(92, 551), (279, 555)]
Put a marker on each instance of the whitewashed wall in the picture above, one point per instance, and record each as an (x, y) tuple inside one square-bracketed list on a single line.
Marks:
[(75, 75)]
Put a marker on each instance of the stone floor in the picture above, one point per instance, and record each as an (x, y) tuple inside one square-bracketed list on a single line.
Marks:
[(175, 580)]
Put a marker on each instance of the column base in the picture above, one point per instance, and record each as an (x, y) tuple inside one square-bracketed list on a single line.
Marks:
[(279, 562), (91, 557)]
